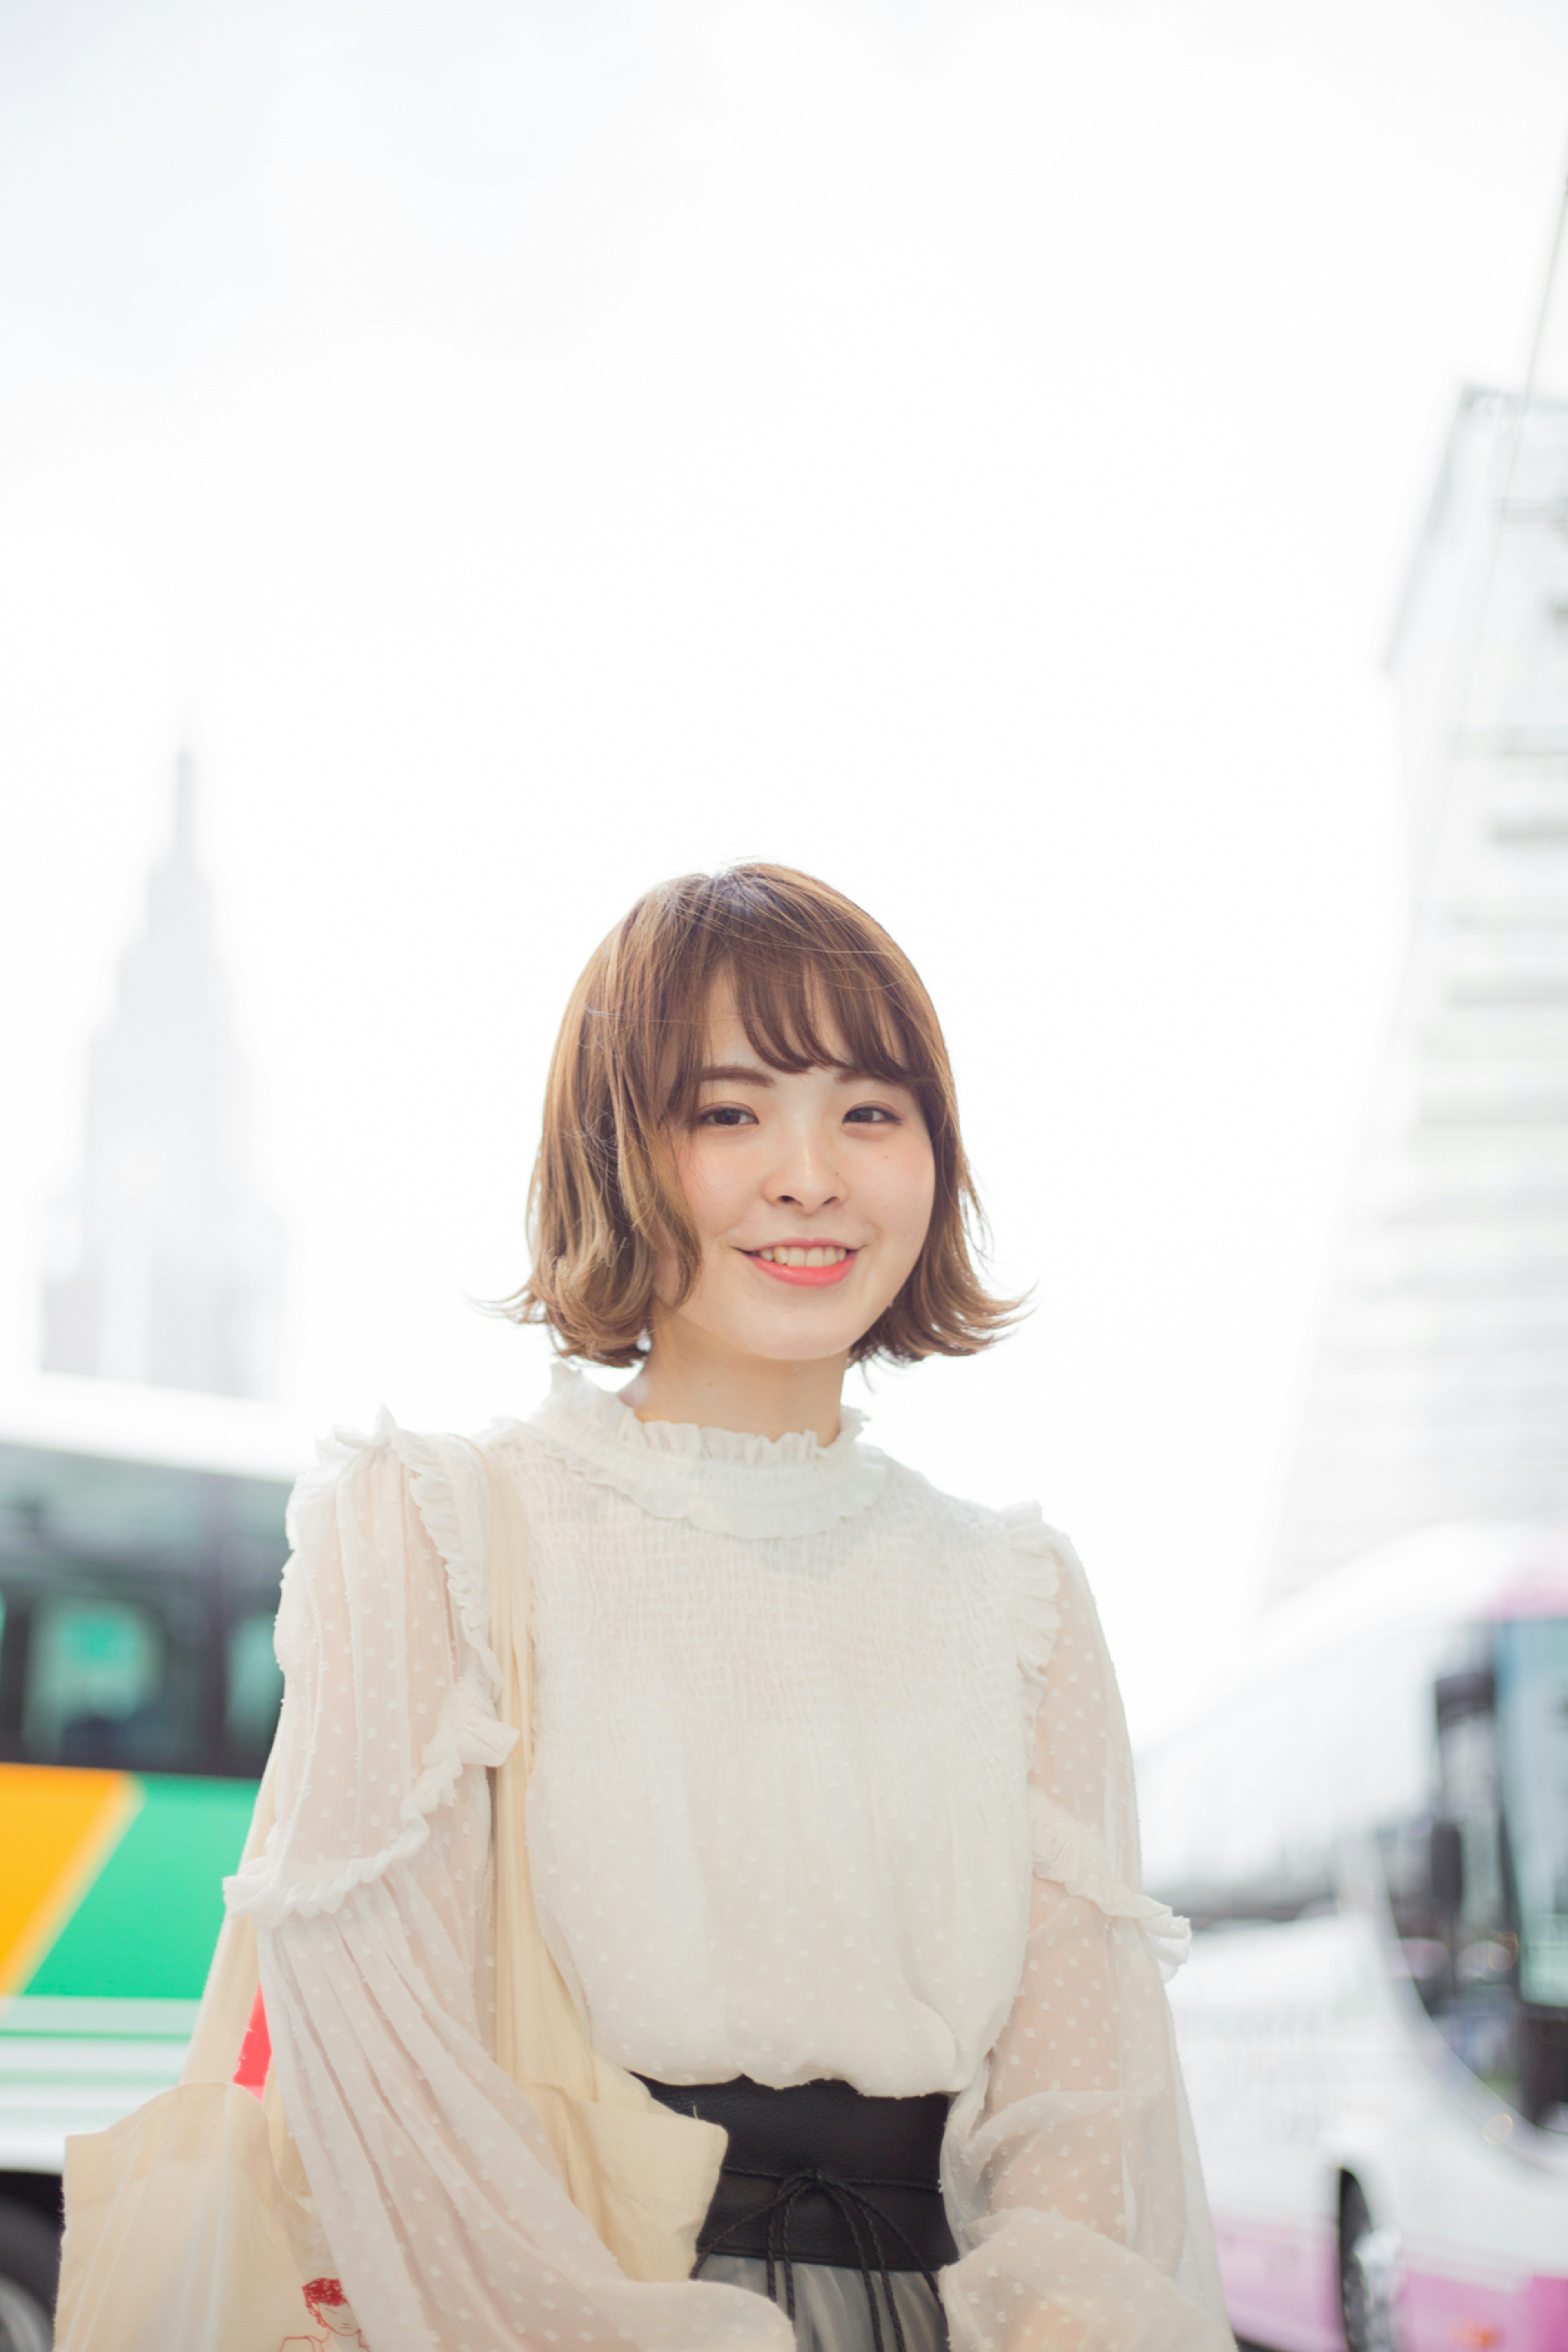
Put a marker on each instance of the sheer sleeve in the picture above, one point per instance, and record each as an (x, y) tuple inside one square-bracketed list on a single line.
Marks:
[(430, 2169), (1070, 2166)]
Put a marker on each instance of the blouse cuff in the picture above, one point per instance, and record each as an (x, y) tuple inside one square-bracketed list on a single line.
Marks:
[(1036, 2276)]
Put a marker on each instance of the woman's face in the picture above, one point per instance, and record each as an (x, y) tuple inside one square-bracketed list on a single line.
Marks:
[(810, 1193)]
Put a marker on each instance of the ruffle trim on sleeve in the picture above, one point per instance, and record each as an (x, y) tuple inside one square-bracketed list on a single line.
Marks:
[(464, 1547), (1036, 1574), (462, 1736), (467, 1730), (1072, 1857)]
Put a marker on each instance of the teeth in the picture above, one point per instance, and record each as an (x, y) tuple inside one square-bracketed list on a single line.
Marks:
[(803, 1256)]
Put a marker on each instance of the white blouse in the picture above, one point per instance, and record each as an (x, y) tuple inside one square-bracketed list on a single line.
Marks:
[(804, 1848), (830, 1780)]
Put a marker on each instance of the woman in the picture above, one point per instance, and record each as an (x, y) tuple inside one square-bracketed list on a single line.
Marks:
[(830, 1818)]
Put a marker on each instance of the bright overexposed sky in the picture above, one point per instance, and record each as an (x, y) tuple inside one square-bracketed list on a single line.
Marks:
[(971, 450)]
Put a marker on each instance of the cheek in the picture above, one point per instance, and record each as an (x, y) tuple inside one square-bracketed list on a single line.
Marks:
[(924, 1201), (708, 1187), (908, 1189)]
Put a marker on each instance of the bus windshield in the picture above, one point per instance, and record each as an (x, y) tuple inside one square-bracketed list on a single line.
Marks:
[(1532, 1664), (136, 1607)]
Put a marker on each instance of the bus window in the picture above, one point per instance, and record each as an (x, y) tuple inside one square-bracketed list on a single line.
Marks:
[(129, 1590), (99, 1685), (1468, 1780), (1532, 1707), (253, 1691)]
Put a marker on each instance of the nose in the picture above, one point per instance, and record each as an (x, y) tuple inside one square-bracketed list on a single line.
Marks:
[(806, 1182)]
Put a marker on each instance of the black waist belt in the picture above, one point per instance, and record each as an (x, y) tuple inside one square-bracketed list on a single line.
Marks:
[(822, 2173)]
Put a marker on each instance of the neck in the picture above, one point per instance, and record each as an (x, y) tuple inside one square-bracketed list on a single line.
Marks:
[(687, 1377)]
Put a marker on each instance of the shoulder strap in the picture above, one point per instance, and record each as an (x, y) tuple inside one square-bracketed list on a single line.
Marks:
[(642, 2174), (540, 2038)]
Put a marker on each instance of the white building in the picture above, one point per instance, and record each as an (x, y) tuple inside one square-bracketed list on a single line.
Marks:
[(1441, 1386), (170, 1270)]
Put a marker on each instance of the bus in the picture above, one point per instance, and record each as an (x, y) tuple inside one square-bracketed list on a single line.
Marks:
[(1367, 1823), (141, 1544)]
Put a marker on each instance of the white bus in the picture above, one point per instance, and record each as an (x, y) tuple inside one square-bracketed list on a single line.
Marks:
[(1368, 1825)]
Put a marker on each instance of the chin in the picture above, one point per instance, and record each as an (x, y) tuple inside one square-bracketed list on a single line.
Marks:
[(801, 1327), (789, 1339)]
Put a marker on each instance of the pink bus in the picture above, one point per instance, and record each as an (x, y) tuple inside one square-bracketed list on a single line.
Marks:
[(1368, 1824)]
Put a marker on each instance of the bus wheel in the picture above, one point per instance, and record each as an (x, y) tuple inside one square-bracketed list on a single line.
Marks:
[(29, 2271), (1369, 2269)]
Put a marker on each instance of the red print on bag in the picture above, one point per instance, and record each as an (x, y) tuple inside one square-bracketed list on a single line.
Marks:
[(331, 2315), (254, 2051)]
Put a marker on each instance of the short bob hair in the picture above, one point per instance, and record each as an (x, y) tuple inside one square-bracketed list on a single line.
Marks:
[(809, 971)]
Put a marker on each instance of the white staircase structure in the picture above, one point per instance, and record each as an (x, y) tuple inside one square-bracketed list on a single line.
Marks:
[(1441, 1385)]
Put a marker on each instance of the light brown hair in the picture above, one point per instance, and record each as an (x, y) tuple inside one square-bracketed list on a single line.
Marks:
[(803, 962)]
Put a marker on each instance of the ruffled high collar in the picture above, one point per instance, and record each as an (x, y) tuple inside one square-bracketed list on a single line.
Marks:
[(720, 1479)]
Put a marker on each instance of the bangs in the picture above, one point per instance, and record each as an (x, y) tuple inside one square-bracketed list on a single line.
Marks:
[(793, 1017), (810, 993)]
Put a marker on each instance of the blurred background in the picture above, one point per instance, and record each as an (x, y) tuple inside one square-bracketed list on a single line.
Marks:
[(462, 463), (971, 451)]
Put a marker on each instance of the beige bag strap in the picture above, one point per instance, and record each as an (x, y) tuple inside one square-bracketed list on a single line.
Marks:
[(538, 2035), (230, 1988), (642, 2174)]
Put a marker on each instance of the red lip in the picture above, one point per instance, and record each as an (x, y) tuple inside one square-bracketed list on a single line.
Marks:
[(804, 1278)]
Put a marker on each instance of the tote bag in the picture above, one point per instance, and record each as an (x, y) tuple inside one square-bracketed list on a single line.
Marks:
[(190, 2226), (188, 2223)]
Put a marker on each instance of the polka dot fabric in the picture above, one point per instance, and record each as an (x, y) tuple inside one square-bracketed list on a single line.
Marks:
[(830, 1780), (1070, 2166)]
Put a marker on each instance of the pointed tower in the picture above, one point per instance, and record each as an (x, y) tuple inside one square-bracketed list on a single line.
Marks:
[(172, 1273), (1441, 1387)]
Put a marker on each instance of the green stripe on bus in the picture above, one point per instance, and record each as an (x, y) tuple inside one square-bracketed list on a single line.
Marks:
[(146, 1927)]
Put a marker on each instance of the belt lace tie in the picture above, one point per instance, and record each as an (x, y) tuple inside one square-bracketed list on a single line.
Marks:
[(861, 2216)]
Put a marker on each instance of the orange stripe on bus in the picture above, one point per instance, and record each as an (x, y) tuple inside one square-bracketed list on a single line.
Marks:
[(58, 1828)]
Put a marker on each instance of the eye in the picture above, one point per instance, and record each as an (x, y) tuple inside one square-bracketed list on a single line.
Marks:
[(869, 1113), (726, 1115)]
